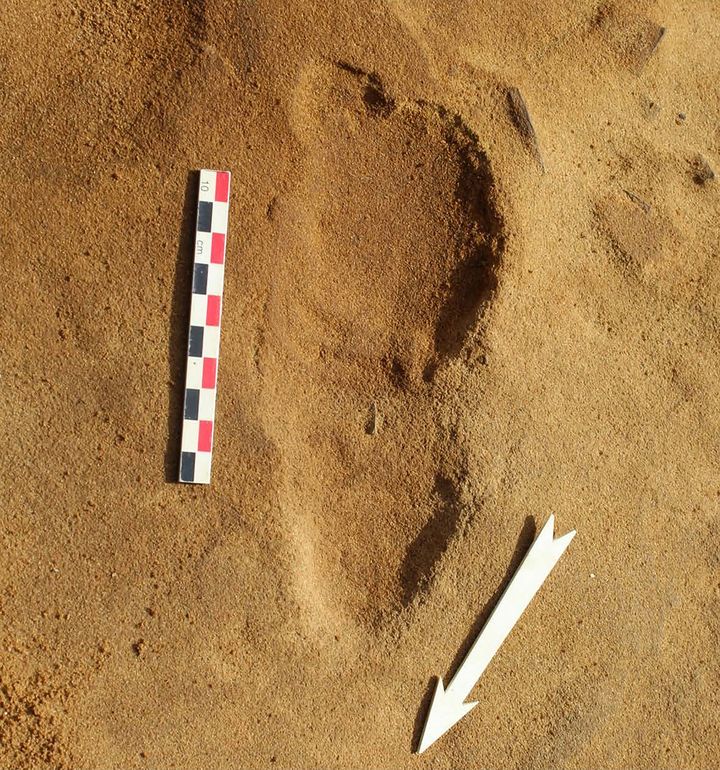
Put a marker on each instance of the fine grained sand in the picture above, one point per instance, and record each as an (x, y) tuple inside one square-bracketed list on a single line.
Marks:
[(472, 279)]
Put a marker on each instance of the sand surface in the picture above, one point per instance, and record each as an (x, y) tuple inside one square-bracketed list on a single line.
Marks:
[(472, 280)]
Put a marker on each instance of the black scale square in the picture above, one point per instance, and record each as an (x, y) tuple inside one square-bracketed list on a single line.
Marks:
[(187, 466), (200, 275), (192, 404), (195, 342), (204, 217)]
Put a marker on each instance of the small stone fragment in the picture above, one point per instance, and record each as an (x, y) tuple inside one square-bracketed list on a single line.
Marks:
[(371, 426), (644, 205), (521, 118), (702, 171)]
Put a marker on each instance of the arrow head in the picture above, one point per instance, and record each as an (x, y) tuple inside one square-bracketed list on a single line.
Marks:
[(445, 710)]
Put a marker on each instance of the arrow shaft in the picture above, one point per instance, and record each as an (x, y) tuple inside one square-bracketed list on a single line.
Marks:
[(448, 705), (525, 583)]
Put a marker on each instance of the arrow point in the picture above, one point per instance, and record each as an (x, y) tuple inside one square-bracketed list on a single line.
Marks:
[(445, 711)]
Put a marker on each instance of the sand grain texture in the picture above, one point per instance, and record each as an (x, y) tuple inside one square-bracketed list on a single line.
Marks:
[(444, 319)]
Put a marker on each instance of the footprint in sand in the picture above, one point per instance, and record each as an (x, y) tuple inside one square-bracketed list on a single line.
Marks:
[(391, 243)]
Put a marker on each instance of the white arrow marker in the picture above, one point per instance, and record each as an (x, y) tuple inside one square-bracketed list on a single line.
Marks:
[(448, 705)]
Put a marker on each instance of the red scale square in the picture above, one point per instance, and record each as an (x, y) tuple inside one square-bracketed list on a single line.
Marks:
[(205, 436), (217, 248), (212, 317), (209, 372), (222, 186)]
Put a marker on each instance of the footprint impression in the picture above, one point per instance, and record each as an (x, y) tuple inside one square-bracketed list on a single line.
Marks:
[(389, 250)]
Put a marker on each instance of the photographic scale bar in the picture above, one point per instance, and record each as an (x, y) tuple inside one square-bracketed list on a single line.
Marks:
[(198, 428)]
